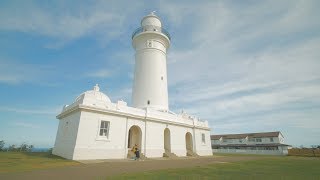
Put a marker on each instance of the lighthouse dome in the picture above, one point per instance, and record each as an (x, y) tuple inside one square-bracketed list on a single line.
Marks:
[(93, 97), (151, 20)]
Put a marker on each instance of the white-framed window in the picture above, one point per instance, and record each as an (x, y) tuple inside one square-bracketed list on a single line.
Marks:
[(104, 129), (271, 139), (203, 138), (258, 140)]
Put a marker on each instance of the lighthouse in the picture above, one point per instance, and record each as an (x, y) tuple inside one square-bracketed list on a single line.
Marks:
[(150, 42), (93, 127)]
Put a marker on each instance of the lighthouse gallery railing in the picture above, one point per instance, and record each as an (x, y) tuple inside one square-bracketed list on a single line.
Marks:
[(151, 28)]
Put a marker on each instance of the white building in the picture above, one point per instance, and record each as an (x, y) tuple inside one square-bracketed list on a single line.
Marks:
[(253, 143), (93, 127)]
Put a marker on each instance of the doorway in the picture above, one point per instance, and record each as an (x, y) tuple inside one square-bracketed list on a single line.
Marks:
[(189, 143), (134, 137)]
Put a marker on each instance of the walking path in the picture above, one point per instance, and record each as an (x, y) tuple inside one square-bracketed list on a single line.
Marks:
[(101, 169)]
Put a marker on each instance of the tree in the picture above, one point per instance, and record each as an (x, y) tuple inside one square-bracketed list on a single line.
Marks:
[(2, 145), (12, 148), (30, 147), (23, 147), (314, 146)]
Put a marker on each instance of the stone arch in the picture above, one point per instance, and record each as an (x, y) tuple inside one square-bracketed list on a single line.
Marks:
[(189, 143), (134, 136), (167, 140)]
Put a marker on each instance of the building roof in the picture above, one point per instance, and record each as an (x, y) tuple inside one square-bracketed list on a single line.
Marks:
[(93, 96), (250, 135)]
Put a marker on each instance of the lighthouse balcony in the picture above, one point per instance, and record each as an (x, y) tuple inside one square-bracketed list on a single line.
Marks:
[(151, 28)]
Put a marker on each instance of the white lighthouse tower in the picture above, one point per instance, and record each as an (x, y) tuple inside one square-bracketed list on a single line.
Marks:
[(150, 42)]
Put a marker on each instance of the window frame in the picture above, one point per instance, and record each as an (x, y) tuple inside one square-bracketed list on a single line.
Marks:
[(103, 137)]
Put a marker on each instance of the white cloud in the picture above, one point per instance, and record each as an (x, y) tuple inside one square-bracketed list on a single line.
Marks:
[(12, 72), (103, 73), (26, 125), (66, 24), (248, 67), (39, 111), (121, 94)]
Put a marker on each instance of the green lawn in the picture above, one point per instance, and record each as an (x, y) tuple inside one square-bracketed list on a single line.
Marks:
[(266, 167), (301, 168), (18, 161)]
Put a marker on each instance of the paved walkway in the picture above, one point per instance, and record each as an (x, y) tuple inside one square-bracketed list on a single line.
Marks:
[(102, 169)]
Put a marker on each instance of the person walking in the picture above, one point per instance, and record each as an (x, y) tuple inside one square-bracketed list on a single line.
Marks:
[(137, 152)]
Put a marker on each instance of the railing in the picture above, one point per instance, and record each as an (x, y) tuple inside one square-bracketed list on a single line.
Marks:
[(151, 28)]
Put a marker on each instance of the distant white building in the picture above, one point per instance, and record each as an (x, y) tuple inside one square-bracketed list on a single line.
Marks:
[(253, 143), (93, 127)]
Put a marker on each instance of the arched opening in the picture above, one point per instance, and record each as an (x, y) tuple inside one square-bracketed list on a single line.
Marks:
[(134, 137), (167, 141), (189, 144)]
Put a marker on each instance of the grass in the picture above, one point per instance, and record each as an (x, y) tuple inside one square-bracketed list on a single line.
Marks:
[(23, 161), (266, 168)]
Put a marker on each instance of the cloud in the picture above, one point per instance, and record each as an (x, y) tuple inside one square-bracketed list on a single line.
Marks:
[(49, 111), (123, 93), (12, 72), (98, 17), (247, 67), (26, 125), (103, 73)]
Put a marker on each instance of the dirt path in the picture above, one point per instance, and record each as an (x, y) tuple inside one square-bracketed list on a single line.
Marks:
[(111, 168)]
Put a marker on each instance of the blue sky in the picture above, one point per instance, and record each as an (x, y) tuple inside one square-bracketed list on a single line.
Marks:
[(246, 66)]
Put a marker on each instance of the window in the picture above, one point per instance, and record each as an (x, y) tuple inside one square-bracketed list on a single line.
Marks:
[(148, 102), (258, 140), (203, 137), (104, 129), (271, 139)]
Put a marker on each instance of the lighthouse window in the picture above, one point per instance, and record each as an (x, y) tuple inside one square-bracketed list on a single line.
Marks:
[(148, 102), (161, 77)]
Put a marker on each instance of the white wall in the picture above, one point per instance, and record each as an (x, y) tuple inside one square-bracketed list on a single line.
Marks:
[(203, 149), (244, 151), (155, 139), (90, 145), (264, 140), (84, 142), (67, 135)]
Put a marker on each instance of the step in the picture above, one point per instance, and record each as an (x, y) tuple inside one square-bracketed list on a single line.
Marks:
[(191, 153), (170, 155)]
